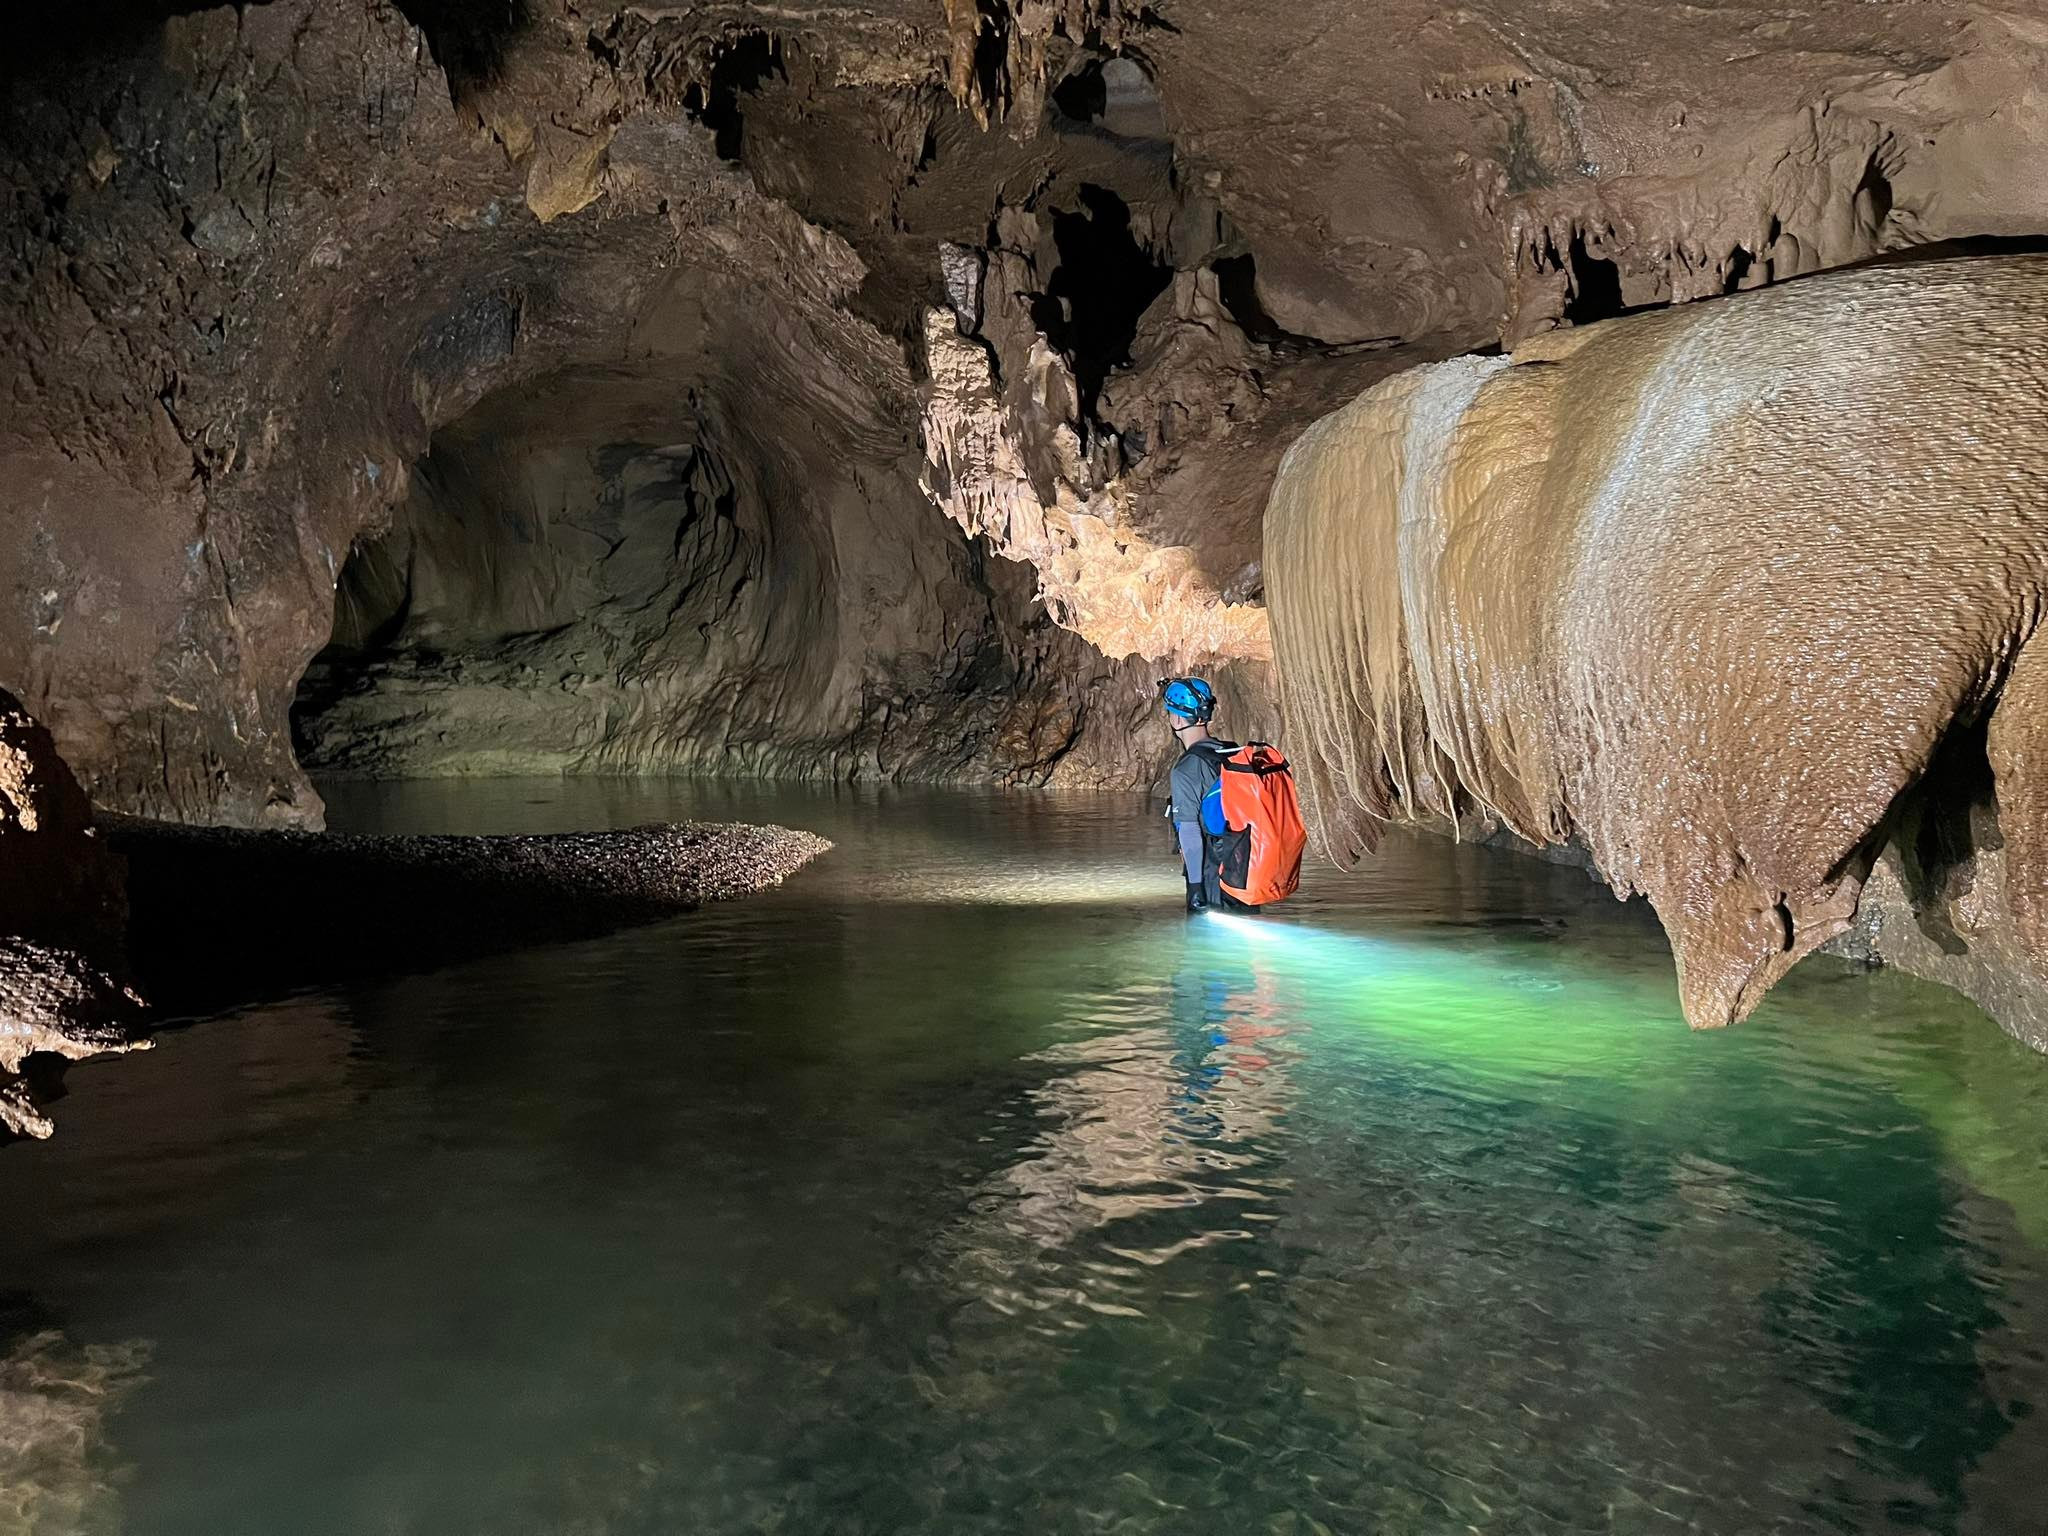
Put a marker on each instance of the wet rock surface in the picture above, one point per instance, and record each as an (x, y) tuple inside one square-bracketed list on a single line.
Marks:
[(341, 273), (61, 882), (267, 255), (58, 1005), (1942, 900), (63, 911), (629, 572)]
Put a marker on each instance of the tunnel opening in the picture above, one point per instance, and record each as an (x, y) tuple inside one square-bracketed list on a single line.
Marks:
[(611, 572), (1101, 288), (991, 54), (1082, 96), (576, 572), (1113, 96)]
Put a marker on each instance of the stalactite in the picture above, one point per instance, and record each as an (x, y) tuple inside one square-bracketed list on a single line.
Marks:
[(1702, 589)]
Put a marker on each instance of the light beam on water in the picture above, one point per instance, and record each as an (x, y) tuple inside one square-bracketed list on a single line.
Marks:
[(963, 1185)]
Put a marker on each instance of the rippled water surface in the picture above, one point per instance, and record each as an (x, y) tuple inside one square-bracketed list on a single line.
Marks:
[(962, 1185)]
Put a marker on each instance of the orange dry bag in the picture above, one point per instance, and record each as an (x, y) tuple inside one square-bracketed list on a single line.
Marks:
[(1262, 857)]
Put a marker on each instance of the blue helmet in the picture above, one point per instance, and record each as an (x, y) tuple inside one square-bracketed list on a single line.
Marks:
[(1188, 697)]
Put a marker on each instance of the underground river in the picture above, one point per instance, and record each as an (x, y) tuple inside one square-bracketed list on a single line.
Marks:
[(962, 1185)]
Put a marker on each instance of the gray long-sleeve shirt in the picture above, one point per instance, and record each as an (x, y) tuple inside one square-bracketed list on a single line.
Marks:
[(1192, 778)]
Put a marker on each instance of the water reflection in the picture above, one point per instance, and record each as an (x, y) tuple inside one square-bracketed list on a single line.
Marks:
[(1176, 1115), (963, 1186), (57, 1473)]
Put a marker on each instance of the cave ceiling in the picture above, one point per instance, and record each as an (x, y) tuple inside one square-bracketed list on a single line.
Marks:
[(1079, 270)]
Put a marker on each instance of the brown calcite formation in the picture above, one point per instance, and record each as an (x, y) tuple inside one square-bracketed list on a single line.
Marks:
[(1097, 575), (1704, 589), (1516, 183), (657, 568), (258, 306), (1524, 157)]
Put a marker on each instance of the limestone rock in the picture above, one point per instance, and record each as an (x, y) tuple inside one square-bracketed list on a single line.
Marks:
[(63, 911), (267, 253), (1096, 575), (273, 264), (1940, 903), (58, 880)]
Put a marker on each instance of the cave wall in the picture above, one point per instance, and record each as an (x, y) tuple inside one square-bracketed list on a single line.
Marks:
[(63, 919), (1525, 159), (263, 259), (255, 259), (1397, 184), (1095, 264), (1703, 590)]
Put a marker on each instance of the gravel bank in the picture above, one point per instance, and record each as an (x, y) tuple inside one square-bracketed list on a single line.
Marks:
[(218, 913)]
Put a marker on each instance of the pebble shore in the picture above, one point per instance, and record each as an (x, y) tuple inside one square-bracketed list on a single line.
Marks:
[(266, 907)]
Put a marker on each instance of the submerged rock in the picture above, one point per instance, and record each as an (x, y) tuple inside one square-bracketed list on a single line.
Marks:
[(56, 1397)]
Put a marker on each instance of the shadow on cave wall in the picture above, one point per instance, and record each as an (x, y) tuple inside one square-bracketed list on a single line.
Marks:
[(1951, 250), (1101, 288), (43, 37), (469, 38), (1110, 95), (742, 68)]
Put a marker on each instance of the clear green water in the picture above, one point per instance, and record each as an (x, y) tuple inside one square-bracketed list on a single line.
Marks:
[(962, 1186)]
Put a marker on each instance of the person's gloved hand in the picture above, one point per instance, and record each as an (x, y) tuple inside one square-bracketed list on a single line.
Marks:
[(1198, 899)]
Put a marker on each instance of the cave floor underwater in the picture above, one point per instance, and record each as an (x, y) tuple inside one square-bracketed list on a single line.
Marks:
[(962, 1184)]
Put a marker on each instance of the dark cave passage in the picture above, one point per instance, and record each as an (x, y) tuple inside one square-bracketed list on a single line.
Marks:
[(1595, 286), (602, 573), (740, 69), (1104, 283), (1115, 96), (537, 599)]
